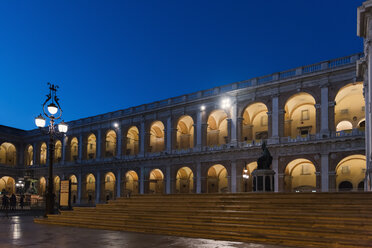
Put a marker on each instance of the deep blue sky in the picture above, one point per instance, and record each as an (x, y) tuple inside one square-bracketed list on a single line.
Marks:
[(110, 55)]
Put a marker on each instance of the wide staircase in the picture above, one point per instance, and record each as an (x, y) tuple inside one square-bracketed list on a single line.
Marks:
[(289, 219)]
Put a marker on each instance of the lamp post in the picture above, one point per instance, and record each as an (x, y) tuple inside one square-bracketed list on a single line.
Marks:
[(53, 112)]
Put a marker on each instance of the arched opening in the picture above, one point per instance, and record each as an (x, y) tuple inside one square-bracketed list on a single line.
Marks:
[(184, 180), (255, 122), (351, 169), (91, 147), (74, 149), (217, 128), (132, 141), (29, 155), (74, 188), (345, 186), (350, 105), (110, 144), (8, 154), (300, 115), (300, 176), (156, 137), (131, 182), (42, 186), (361, 186), (90, 188), (109, 186), (344, 126), (57, 187), (247, 179), (217, 179), (362, 124), (185, 132), (57, 151), (43, 153), (7, 185), (156, 182)]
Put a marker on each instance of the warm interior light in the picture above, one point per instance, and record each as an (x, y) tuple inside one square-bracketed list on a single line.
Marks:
[(62, 127), (40, 121), (52, 108)]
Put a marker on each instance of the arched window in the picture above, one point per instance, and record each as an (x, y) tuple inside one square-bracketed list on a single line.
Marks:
[(109, 186), (217, 179), (156, 185), (300, 115), (156, 137), (29, 155), (43, 153), (74, 149), (8, 154), (91, 147), (110, 144), (344, 126), (132, 141), (57, 151), (131, 182), (184, 180), (350, 105), (350, 171), (300, 176), (255, 122), (217, 128), (185, 132)]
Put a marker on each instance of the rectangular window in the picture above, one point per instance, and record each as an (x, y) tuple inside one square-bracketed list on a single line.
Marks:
[(305, 115)]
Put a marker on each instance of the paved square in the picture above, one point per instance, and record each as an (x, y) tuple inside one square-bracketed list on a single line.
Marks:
[(20, 231)]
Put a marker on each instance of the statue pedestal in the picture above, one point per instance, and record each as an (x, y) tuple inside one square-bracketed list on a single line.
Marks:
[(263, 180)]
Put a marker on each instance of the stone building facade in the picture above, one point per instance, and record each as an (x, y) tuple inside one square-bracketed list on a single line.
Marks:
[(312, 118)]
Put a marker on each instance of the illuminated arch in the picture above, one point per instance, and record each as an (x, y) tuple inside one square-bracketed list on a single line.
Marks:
[(217, 179), (300, 175), (156, 183), (7, 185), (91, 146), (57, 151), (131, 182), (42, 186), (351, 169), (350, 104), (110, 144), (74, 149), (43, 153), (247, 181), (132, 141), (8, 154), (217, 133), (29, 155), (90, 188), (184, 180), (344, 126), (255, 122), (300, 115), (156, 137), (110, 186), (185, 132), (57, 186), (74, 188)]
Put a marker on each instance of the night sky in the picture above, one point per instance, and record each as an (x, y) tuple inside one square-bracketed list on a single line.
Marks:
[(110, 55)]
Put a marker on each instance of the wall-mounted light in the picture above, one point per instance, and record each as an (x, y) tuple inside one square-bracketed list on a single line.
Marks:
[(202, 107), (116, 125), (225, 103)]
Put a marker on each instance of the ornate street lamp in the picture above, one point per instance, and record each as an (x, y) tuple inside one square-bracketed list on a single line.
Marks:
[(52, 105)]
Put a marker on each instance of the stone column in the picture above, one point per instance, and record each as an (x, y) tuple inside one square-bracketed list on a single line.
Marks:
[(324, 162), (98, 187), (240, 129), (168, 180), (119, 142), (64, 141), (281, 177), (275, 167), (169, 134), (142, 180), (118, 184), (234, 123), (331, 116), (275, 119), (80, 147), (142, 139), (34, 153), (233, 177), (318, 181), (199, 120), (198, 178), (99, 144), (229, 130), (281, 122), (332, 181), (78, 200), (318, 118), (324, 126)]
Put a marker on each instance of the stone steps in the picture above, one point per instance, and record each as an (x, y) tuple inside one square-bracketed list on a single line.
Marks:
[(297, 219)]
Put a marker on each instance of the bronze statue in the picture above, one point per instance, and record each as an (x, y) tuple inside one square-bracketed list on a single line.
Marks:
[(264, 162)]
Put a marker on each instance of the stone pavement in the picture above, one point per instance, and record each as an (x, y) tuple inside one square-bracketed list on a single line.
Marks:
[(20, 231)]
